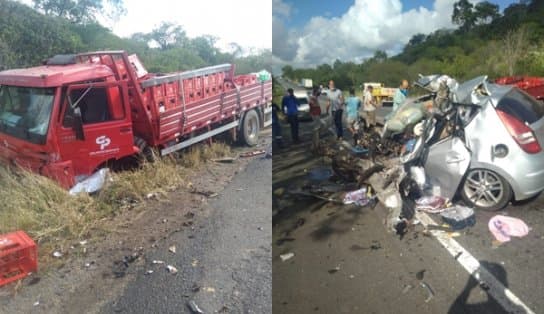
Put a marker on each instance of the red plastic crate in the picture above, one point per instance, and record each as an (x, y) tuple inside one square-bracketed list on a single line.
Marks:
[(18, 256)]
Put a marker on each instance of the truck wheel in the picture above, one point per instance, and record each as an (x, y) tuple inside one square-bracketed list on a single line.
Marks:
[(250, 128), (146, 153)]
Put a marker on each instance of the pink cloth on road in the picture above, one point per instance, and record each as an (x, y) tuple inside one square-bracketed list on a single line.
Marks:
[(503, 227)]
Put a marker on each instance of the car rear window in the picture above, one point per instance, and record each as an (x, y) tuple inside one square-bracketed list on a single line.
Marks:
[(302, 100), (522, 106)]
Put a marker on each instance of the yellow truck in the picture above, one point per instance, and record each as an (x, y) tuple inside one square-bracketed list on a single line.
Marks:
[(380, 92)]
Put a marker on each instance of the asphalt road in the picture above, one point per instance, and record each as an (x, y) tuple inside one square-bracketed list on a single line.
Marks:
[(223, 262), (346, 262)]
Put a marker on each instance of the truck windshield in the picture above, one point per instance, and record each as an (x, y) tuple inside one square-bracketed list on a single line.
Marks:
[(25, 112)]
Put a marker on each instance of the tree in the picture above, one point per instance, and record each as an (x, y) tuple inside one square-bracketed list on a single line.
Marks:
[(485, 12), (81, 11), (287, 71), (416, 39), (168, 35), (463, 15), (379, 56), (515, 46)]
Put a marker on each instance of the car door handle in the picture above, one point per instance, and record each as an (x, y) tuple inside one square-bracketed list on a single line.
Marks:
[(125, 130), (454, 159)]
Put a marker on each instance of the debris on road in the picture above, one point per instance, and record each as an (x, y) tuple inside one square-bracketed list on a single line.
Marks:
[(286, 256), (504, 227), (334, 270), (57, 254), (459, 217), (92, 183), (360, 197), (171, 269), (280, 241), (194, 307), (157, 262), (253, 153), (172, 249), (420, 274), (430, 292), (431, 204), (407, 288), (224, 159)]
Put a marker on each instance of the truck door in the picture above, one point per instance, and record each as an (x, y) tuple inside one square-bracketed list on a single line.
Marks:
[(95, 125)]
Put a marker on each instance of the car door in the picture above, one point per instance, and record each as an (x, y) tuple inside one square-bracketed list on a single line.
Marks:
[(102, 114), (446, 164)]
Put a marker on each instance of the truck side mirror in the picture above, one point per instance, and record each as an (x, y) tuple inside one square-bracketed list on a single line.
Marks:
[(78, 124)]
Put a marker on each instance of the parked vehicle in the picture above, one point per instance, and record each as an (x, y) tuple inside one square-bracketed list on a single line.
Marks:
[(306, 83), (534, 86), (470, 145), (304, 104), (75, 114)]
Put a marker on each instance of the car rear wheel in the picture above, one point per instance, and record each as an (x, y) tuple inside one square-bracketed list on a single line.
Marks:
[(485, 189)]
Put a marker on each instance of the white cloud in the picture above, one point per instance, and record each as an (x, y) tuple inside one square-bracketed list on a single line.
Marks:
[(246, 22), (367, 26)]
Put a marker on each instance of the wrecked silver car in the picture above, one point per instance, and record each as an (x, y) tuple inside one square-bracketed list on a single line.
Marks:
[(484, 142)]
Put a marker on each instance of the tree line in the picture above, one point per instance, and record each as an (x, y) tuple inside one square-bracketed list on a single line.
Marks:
[(29, 35), (485, 42)]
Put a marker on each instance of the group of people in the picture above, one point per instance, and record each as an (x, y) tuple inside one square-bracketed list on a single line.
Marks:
[(336, 105)]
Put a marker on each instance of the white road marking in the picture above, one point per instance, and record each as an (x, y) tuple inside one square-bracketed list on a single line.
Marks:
[(506, 298)]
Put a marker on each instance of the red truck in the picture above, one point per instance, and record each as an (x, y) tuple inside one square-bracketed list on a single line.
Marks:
[(534, 86), (75, 114)]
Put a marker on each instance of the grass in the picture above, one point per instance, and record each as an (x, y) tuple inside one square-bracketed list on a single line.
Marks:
[(54, 218)]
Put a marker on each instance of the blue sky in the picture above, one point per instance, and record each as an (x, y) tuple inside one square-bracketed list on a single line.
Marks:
[(307, 33), (303, 10)]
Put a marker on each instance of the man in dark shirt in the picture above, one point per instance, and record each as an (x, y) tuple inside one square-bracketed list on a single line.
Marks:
[(276, 127), (289, 105)]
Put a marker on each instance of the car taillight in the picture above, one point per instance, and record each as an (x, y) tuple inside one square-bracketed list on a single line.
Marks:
[(522, 134)]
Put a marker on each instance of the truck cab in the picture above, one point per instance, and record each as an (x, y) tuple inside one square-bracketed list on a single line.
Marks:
[(64, 119)]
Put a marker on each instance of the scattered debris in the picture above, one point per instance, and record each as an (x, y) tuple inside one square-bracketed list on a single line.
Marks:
[(92, 183), (407, 288), (420, 274), (36, 303), (149, 272), (157, 262), (82, 242), (171, 269), (209, 289), (330, 199), (358, 197), (194, 307), (224, 159), (253, 153), (57, 254), (239, 190), (172, 249), (431, 204), (320, 174), (286, 256), (429, 291), (209, 194), (194, 263), (334, 270), (459, 217), (34, 281), (504, 227)]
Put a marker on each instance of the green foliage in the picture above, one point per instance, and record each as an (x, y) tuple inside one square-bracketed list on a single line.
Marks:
[(81, 11), (27, 37)]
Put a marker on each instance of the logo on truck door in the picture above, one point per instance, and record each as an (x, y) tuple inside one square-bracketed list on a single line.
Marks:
[(103, 141)]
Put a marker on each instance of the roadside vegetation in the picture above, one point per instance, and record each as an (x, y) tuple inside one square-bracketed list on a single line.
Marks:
[(54, 218), (485, 42)]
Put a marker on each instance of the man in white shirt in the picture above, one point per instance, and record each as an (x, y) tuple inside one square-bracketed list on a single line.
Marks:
[(336, 103), (369, 107)]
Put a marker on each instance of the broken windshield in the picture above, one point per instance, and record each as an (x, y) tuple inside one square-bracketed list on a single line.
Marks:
[(25, 112)]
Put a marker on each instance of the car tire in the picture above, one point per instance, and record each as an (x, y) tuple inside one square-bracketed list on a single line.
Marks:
[(250, 128), (486, 190)]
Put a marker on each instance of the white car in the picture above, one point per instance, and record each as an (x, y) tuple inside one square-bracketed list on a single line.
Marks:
[(304, 105)]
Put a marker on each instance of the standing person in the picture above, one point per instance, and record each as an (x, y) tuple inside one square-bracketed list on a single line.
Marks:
[(315, 113), (290, 102), (369, 107), (336, 104), (276, 127), (399, 98), (353, 103)]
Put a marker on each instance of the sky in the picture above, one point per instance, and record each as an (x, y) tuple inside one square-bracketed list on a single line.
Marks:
[(246, 22), (307, 33)]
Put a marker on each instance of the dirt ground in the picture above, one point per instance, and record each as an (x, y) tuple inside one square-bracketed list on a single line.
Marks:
[(91, 274)]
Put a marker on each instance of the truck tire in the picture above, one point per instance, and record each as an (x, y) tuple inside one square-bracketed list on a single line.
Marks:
[(146, 153), (250, 128)]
